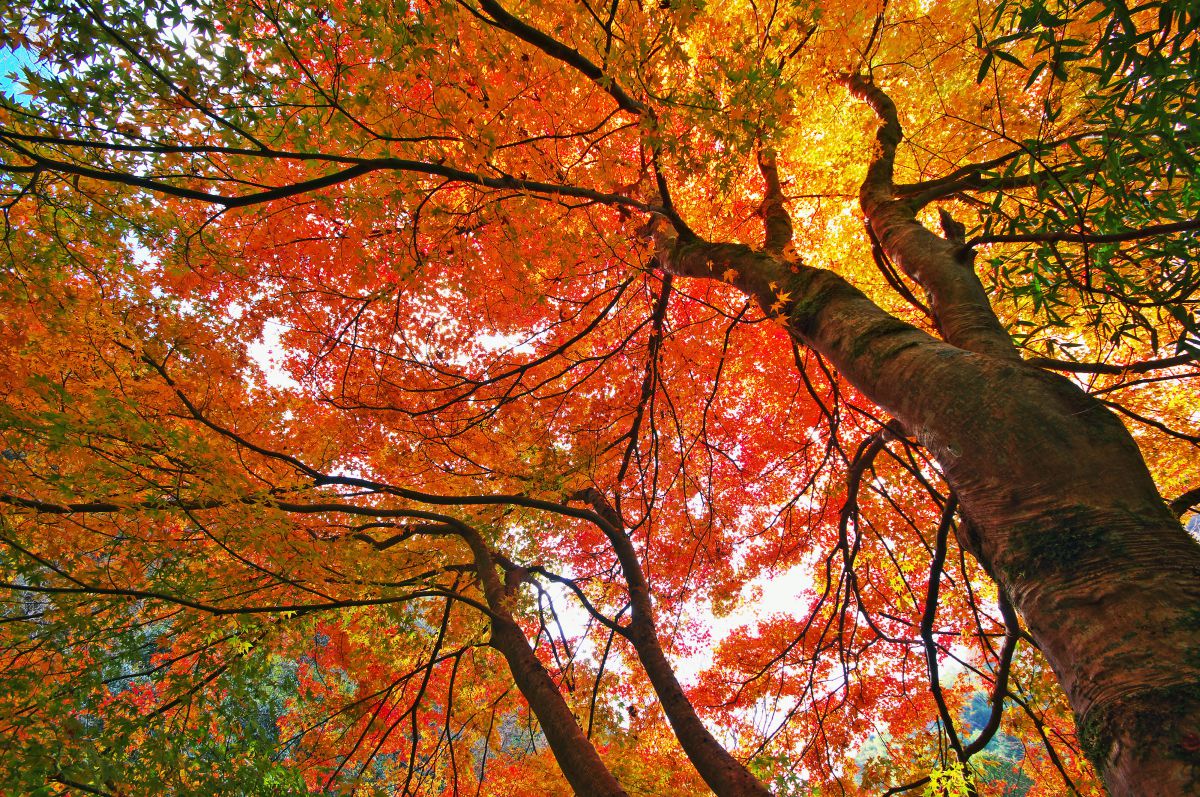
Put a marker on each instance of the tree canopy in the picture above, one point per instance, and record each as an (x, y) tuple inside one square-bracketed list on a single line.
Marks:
[(455, 397)]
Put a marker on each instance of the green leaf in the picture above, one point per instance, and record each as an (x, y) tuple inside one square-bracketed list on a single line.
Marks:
[(983, 68)]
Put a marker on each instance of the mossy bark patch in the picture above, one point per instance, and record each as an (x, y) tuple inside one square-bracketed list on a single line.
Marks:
[(1170, 715), (1059, 542)]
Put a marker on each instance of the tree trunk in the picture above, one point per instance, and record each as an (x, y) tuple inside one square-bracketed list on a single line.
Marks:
[(723, 773), (1069, 521), (573, 750), (576, 756), (1068, 518)]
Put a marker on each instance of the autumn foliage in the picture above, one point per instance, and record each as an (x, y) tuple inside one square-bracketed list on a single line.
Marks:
[(461, 398)]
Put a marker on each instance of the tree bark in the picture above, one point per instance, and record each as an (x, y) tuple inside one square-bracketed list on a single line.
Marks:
[(1068, 518), (573, 750), (723, 773)]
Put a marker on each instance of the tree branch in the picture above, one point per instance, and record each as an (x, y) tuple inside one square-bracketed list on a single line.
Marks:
[(361, 167), (970, 178), (723, 773), (559, 51), (1012, 635), (777, 222), (1088, 238), (208, 608), (1106, 368), (1189, 500), (927, 618), (960, 306)]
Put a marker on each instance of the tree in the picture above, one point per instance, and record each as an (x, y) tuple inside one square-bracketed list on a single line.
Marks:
[(348, 343)]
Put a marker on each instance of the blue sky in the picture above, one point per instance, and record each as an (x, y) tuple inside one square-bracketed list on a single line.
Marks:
[(12, 61)]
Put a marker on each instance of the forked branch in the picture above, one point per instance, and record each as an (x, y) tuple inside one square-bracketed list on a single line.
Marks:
[(776, 220), (942, 267)]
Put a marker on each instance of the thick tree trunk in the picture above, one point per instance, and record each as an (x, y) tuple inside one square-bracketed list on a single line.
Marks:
[(1068, 518), (1065, 513), (1069, 521)]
